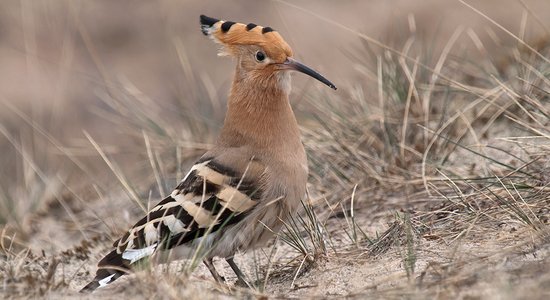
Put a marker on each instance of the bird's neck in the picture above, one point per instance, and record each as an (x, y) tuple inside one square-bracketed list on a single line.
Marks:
[(259, 115)]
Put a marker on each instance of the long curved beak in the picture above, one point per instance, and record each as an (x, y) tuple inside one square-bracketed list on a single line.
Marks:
[(295, 65)]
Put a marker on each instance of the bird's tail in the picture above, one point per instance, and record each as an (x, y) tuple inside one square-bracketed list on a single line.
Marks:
[(111, 267)]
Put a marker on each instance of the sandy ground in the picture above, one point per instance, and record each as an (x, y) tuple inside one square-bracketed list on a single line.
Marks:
[(508, 263)]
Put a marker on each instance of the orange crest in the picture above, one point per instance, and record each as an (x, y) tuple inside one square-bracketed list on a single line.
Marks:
[(230, 33)]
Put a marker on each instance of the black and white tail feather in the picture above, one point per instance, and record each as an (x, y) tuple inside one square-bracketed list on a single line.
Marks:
[(209, 198)]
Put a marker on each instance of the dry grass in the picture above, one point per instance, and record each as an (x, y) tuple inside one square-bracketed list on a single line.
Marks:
[(430, 171)]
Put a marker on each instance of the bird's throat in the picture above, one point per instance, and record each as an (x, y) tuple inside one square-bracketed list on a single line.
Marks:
[(259, 114)]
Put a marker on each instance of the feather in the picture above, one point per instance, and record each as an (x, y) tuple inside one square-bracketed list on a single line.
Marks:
[(134, 255), (211, 196), (230, 34)]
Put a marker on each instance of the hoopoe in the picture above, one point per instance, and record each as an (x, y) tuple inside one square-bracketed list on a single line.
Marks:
[(239, 193)]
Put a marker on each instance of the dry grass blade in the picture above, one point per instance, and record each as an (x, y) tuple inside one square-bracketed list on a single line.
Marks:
[(125, 183)]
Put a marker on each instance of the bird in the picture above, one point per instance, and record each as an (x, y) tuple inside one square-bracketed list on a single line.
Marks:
[(238, 194)]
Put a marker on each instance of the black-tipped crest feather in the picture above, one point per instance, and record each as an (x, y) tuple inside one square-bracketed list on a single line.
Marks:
[(267, 29), (227, 25), (206, 23), (250, 26)]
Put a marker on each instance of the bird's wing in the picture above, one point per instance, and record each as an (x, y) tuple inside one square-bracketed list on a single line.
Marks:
[(210, 197)]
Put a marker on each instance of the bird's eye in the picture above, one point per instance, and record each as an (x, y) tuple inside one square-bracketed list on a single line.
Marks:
[(260, 56)]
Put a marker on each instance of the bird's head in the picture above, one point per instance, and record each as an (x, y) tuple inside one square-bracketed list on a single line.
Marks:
[(261, 52)]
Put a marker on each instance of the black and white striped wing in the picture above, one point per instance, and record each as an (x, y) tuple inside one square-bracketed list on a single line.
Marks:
[(210, 197)]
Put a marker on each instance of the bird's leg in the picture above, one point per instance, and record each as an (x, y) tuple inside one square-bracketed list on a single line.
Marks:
[(241, 278), (210, 265)]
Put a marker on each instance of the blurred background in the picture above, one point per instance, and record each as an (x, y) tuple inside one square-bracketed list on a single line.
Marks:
[(128, 71), (105, 104)]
